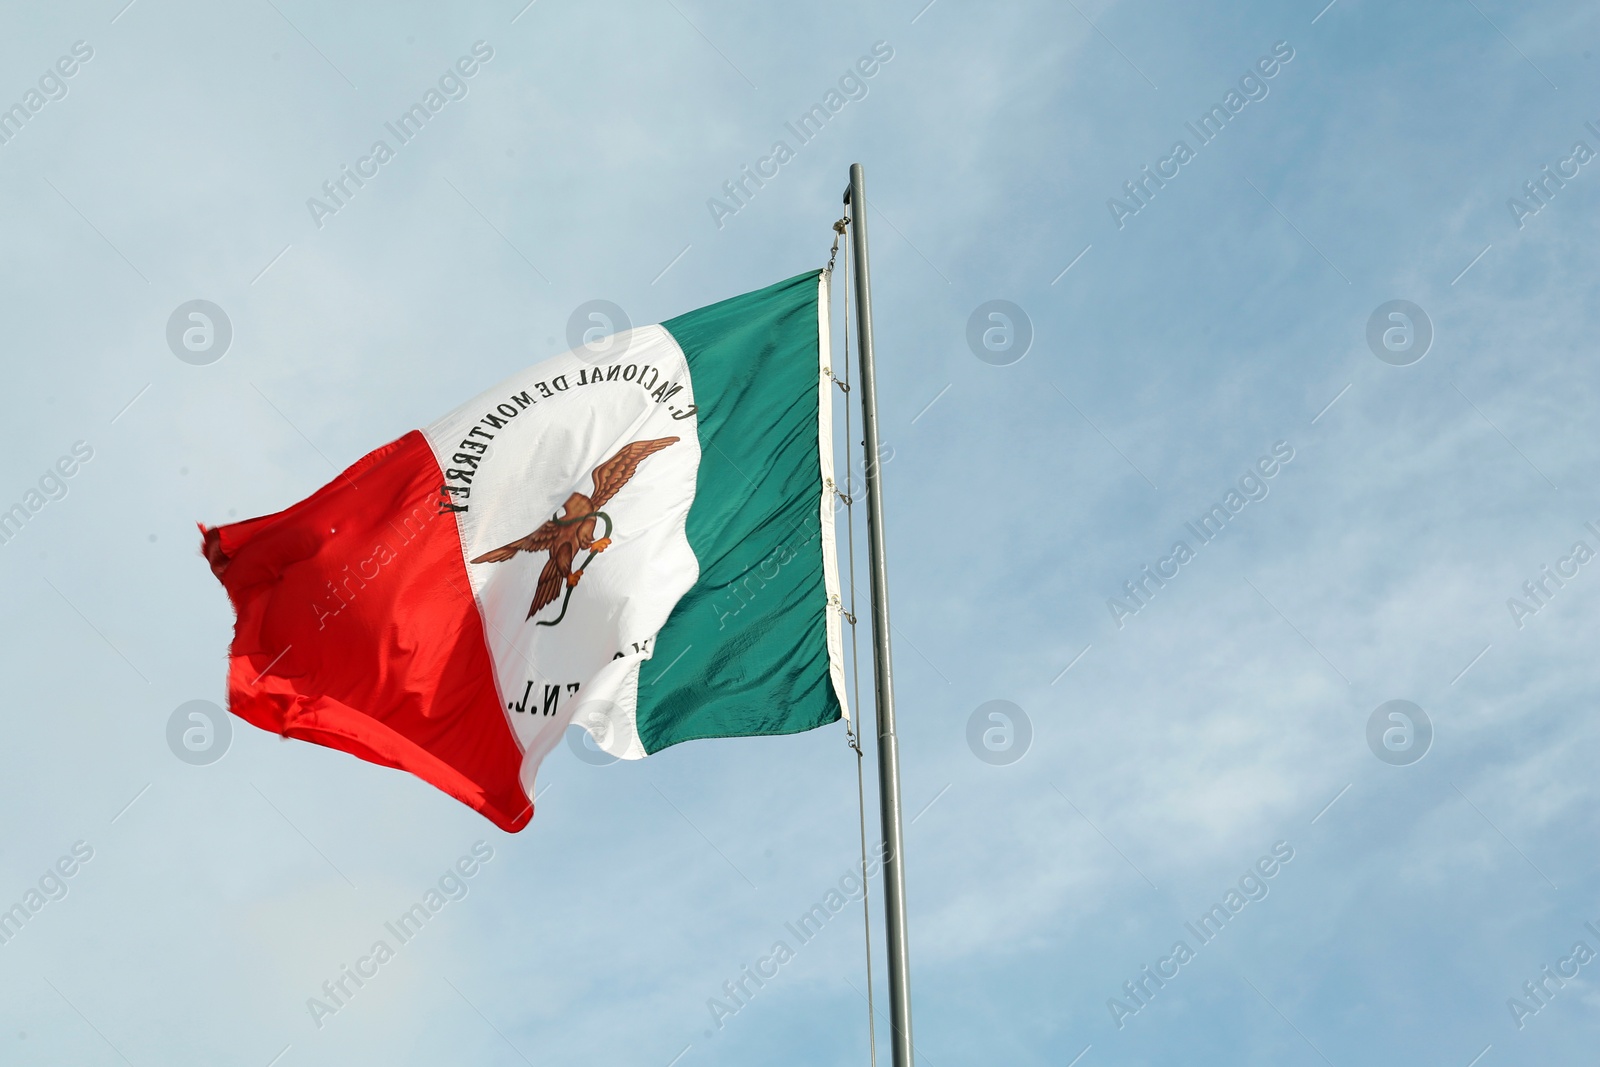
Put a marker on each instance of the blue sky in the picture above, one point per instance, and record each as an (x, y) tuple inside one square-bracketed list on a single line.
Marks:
[(1229, 714)]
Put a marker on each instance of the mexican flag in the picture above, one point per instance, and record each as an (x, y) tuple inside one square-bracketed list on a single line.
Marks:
[(636, 536)]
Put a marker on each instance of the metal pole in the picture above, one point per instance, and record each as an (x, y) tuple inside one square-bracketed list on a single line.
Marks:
[(894, 883)]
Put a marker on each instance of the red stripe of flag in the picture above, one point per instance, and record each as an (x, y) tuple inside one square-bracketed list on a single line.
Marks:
[(357, 629)]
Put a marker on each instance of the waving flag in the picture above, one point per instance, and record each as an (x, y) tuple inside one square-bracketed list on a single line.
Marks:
[(636, 536)]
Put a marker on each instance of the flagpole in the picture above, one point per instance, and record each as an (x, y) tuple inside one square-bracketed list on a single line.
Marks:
[(894, 884)]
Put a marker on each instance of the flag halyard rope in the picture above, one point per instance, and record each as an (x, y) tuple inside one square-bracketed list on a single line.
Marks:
[(852, 735)]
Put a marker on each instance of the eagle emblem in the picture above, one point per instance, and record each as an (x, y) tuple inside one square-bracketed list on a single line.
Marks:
[(573, 531)]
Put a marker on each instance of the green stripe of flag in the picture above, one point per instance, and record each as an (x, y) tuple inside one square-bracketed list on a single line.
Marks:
[(745, 651)]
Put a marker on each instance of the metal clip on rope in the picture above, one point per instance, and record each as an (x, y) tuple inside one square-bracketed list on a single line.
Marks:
[(838, 232)]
